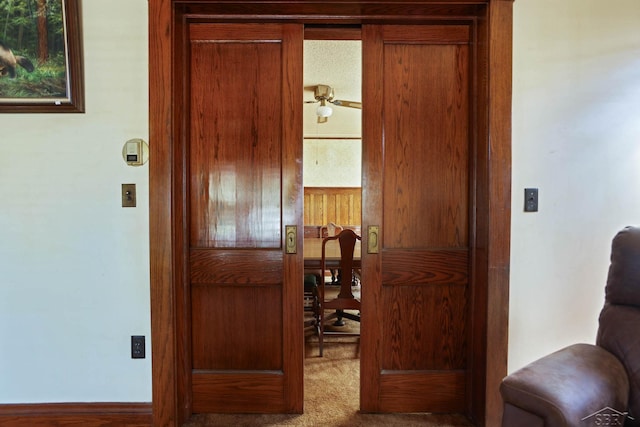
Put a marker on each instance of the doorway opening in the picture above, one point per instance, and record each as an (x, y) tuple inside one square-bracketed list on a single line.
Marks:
[(332, 180)]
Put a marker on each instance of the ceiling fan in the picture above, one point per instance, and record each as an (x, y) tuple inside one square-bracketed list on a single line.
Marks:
[(324, 94)]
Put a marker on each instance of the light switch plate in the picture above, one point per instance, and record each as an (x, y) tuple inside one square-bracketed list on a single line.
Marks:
[(531, 200), (128, 195)]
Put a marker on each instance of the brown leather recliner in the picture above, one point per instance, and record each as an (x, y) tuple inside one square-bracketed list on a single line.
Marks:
[(589, 385)]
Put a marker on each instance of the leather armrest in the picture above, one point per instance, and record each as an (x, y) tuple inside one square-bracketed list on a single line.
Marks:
[(567, 386)]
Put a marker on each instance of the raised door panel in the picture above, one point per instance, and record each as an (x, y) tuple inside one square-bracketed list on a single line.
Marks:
[(418, 158), (244, 187)]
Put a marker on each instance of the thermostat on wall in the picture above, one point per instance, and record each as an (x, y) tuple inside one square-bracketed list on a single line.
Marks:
[(135, 152)]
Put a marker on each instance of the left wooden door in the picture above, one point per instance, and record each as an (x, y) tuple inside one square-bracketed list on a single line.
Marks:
[(242, 182)]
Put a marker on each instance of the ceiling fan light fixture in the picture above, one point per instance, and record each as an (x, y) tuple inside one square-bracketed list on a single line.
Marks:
[(324, 110)]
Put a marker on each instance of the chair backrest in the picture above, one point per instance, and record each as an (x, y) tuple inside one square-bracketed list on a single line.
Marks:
[(347, 241), (623, 281), (620, 317), (331, 229)]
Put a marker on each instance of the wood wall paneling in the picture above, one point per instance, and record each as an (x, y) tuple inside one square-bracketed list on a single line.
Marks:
[(341, 205)]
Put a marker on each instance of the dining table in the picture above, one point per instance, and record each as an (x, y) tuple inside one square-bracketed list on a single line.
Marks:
[(313, 253)]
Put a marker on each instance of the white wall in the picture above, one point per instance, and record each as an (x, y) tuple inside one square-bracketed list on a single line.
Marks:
[(576, 136), (74, 264), (332, 163), (74, 268)]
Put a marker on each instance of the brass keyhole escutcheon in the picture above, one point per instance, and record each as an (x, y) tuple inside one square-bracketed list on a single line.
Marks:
[(373, 239), (291, 233)]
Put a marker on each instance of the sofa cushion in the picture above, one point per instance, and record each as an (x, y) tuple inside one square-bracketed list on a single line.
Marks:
[(623, 282), (620, 318), (565, 387), (618, 333)]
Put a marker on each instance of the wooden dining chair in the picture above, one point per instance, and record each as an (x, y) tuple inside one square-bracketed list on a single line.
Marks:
[(329, 230), (345, 300), (311, 303)]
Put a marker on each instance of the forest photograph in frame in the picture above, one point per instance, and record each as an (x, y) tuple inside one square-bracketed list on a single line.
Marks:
[(41, 61)]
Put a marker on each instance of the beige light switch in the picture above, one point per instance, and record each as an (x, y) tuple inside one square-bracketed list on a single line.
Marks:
[(128, 195)]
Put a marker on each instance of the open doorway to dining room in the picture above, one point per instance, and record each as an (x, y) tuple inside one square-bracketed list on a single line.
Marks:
[(332, 180)]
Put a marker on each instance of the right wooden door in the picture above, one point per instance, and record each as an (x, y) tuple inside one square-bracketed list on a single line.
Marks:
[(417, 188)]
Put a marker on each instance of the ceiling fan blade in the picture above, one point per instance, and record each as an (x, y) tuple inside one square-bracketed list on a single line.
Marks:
[(324, 95), (343, 103)]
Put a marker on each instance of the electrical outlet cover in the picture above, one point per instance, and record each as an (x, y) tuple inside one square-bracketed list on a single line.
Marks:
[(137, 347)]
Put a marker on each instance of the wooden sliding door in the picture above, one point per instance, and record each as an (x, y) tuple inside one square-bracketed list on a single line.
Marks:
[(243, 180), (226, 93), (416, 187)]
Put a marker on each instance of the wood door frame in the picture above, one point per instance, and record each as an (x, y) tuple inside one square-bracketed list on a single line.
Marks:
[(491, 196)]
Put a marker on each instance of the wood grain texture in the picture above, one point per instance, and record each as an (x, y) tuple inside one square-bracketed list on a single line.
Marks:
[(244, 183), (499, 216), (340, 205), (244, 186), (250, 267), (235, 151), (421, 267), (76, 414), (425, 205), (237, 328), (372, 207), (170, 407), (292, 202), (426, 164), (427, 34), (411, 391), (425, 328), (338, 11), (249, 393)]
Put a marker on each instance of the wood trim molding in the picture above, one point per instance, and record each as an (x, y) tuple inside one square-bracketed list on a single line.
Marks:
[(498, 221), (76, 414), (167, 409)]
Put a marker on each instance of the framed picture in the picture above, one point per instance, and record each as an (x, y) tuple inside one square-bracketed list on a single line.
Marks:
[(41, 57)]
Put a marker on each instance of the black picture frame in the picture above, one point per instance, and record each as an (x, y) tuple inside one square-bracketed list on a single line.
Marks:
[(58, 86)]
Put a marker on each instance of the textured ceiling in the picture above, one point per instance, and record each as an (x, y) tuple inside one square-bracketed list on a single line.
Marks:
[(336, 63)]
